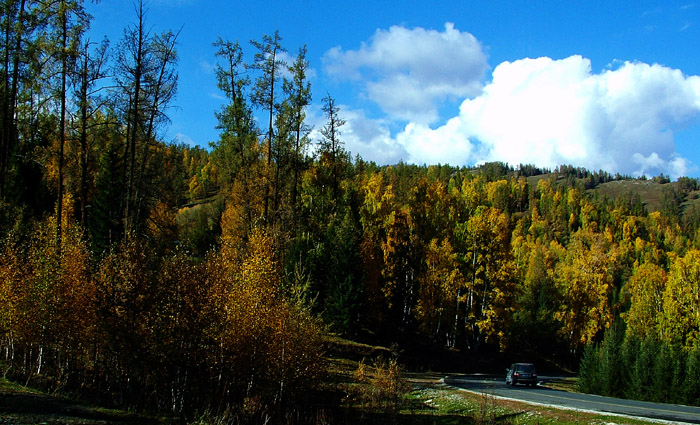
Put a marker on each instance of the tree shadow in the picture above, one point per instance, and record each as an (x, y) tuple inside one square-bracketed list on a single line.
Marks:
[(39, 408)]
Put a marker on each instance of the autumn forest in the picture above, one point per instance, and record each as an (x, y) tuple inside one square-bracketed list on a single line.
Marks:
[(172, 278)]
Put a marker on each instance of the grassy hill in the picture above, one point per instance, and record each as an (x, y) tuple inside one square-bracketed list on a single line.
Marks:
[(650, 192)]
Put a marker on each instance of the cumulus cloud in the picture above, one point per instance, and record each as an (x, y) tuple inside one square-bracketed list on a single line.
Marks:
[(183, 139), (444, 145), (371, 138), (533, 111), (552, 112), (408, 72), (288, 60)]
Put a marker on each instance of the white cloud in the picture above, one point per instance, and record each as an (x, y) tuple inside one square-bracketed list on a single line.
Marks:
[(552, 112), (445, 145), (184, 139), (570, 115), (368, 137), (540, 111), (288, 59), (408, 72)]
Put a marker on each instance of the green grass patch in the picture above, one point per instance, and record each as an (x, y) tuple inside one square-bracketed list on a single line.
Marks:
[(439, 404)]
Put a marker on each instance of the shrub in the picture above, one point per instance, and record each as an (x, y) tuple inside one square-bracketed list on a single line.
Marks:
[(382, 387)]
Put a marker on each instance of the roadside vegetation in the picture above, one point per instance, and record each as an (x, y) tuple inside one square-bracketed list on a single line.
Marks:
[(370, 391), (650, 369)]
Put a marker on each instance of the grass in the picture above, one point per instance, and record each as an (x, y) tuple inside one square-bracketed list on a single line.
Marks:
[(433, 402), (23, 405), (650, 192)]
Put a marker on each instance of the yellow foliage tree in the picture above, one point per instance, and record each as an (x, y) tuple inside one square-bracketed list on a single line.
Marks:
[(441, 287), (268, 345), (490, 275), (681, 311), (585, 281), (646, 290)]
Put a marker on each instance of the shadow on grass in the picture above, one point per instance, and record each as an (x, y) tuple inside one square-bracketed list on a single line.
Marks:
[(38, 408)]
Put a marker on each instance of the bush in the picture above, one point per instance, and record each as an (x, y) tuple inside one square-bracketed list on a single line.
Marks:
[(382, 387)]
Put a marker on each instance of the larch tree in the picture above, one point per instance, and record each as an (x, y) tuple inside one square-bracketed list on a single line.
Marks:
[(237, 153), (680, 322), (91, 69), (264, 95), (490, 273), (440, 291), (331, 147), (147, 82), (585, 280), (66, 42), (17, 27), (298, 96), (236, 149)]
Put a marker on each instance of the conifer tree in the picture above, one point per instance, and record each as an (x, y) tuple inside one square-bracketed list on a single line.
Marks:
[(642, 373), (691, 389), (333, 156), (610, 373), (264, 95), (147, 81), (588, 372), (662, 374), (298, 92)]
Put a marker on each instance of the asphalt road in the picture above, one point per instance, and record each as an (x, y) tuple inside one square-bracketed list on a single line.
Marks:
[(547, 396)]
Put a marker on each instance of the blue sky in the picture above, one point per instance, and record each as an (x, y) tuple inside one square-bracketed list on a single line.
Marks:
[(598, 84)]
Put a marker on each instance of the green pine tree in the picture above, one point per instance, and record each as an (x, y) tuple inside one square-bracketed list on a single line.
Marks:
[(692, 387), (588, 373)]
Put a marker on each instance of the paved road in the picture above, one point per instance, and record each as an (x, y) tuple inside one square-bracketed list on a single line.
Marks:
[(542, 395)]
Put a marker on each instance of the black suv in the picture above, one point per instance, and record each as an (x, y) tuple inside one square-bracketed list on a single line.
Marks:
[(521, 373)]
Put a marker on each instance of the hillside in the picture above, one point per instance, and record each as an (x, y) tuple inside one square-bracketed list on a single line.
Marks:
[(650, 192)]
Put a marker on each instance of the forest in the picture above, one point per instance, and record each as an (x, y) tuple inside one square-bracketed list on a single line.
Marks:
[(172, 278)]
